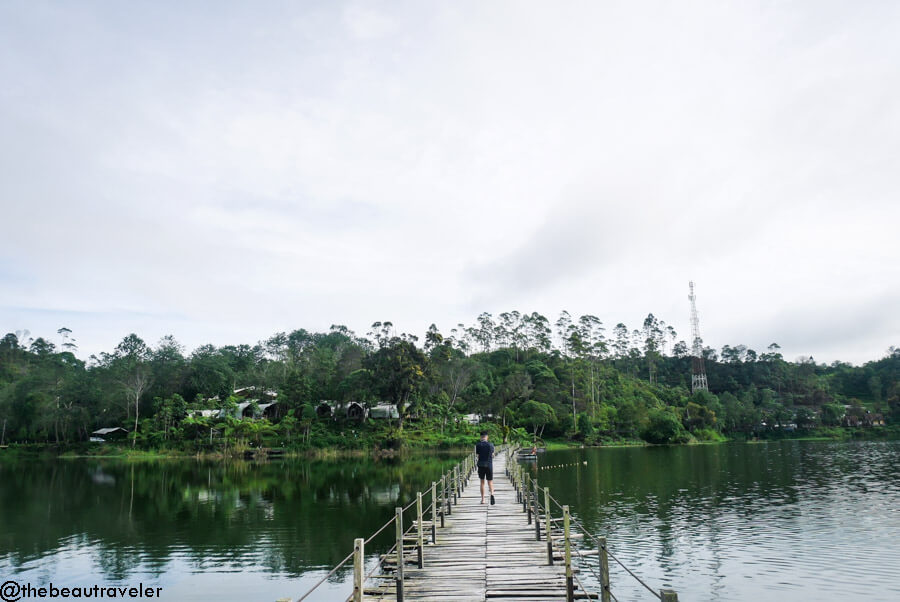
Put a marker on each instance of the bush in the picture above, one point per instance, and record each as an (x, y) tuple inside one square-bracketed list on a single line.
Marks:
[(711, 435), (664, 427)]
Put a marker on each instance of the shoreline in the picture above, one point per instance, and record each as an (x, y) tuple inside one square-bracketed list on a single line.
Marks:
[(52, 452)]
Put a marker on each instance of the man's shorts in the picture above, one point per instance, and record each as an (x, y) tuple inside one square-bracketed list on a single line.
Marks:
[(486, 472)]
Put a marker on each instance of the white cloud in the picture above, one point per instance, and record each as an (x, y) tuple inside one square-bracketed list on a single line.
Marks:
[(227, 175)]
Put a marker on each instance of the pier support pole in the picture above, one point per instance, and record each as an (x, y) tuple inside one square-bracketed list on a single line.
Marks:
[(433, 512), (547, 532), (604, 570), (570, 581), (537, 512), (420, 540), (358, 557), (398, 577), (524, 487), (454, 483), (448, 496)]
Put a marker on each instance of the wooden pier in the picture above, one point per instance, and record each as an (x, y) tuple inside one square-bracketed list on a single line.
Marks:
[(522, 549), (484, 552)]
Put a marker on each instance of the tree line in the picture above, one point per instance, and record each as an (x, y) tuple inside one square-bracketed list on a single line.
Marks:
[(570, 378)]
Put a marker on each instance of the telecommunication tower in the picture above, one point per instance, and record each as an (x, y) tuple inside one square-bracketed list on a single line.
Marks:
[(698, 372)]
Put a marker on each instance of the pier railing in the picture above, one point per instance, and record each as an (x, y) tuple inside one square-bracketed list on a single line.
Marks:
[(562, 542), (427, 511)]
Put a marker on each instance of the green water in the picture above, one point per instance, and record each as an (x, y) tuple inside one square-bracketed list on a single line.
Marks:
[(238, 531), (792, 520), (770, 521)]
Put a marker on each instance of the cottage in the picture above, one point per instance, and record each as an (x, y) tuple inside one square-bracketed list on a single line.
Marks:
[(208, 413), (357, 411), (872, 419), (110, 433), (271, 410), (257, 392), (472, 418), (325, 409), (384, 410)]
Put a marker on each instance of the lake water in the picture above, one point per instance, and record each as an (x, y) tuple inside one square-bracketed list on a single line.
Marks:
[(790, 520), (770, 521)]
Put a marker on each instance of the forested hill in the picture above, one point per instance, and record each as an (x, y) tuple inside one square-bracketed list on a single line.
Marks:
[(570, 379)]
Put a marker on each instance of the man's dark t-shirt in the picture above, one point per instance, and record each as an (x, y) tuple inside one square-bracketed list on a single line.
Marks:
[(485, 451)]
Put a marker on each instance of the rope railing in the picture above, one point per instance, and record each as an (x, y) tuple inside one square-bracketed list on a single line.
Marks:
[(619, 562), (528, 492), (325, 578), (442, 495)]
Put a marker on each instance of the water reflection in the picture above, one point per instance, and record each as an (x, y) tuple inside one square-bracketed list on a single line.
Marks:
[(265, 529), (789, 520)]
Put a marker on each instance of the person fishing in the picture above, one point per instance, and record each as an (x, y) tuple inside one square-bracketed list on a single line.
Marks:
[(485, 451)]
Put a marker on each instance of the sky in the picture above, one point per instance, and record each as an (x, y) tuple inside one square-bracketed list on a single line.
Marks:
[(222, 171)]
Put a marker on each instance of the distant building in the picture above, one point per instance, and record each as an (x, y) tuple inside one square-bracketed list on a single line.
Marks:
[(108, 434), (384, 411), (325, 409), (472, 418), (357, 411), (872, 419), (265, 400)]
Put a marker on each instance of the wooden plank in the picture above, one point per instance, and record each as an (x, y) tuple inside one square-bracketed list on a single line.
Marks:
[(483, 552)]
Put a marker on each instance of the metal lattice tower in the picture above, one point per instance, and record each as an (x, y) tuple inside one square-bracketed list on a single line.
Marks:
[(698, 372)]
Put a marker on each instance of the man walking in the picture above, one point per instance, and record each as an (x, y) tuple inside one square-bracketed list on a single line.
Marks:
[(485, 451)]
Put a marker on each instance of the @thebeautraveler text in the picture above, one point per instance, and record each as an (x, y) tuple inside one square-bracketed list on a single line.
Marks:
[(13, 591)]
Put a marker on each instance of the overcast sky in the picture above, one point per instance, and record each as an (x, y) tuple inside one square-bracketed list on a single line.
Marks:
[(222, 171)]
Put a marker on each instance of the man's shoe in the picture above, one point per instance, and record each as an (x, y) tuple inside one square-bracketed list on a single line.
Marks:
[(492, 499)]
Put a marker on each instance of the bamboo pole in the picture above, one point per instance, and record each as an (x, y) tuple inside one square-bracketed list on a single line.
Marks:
[(358, 564), (537, 512)]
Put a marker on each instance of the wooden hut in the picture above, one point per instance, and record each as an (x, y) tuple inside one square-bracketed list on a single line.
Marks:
[(357, 411), (325, 409), (384, 411)]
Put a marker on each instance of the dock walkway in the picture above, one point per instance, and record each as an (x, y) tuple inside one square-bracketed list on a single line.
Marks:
[(458, 549), (485, 552)]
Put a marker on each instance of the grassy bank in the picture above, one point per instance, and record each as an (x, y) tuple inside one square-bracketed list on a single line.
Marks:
[(385, 440)]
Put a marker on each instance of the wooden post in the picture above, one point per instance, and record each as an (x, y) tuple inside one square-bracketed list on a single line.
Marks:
[(433, 512), (668, 595), (547, 531), (420, 541), (526, 488), (604, 570), (448, 497), (398, 576), (570, 582), (443, 498), (358, 564), (517, 472), (537, 512), (455, 483)]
